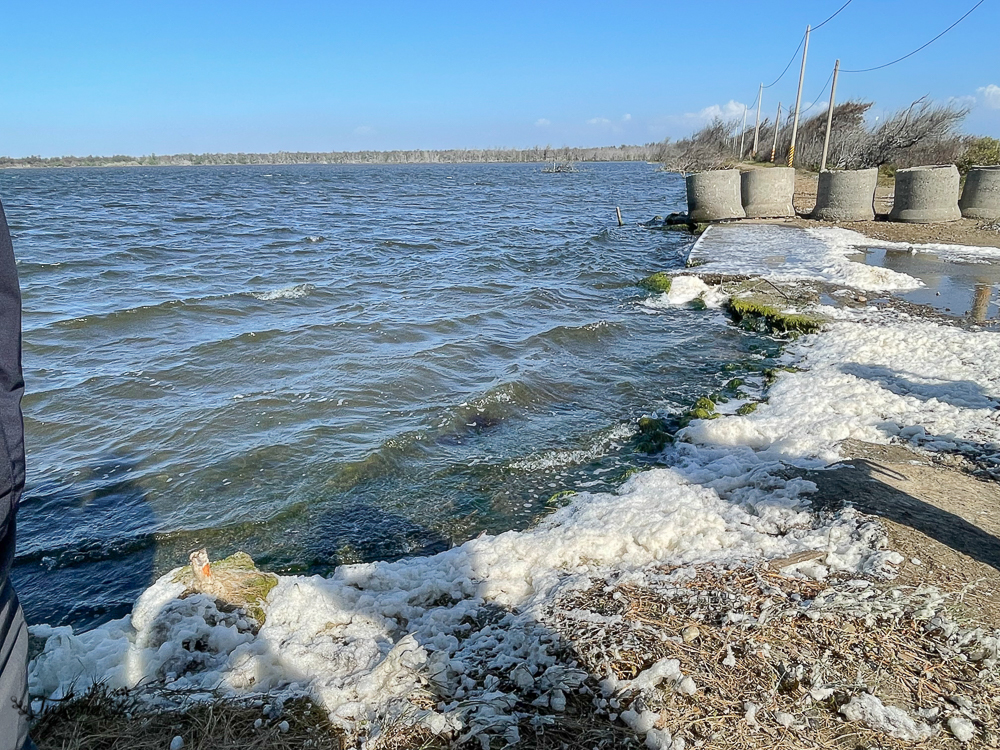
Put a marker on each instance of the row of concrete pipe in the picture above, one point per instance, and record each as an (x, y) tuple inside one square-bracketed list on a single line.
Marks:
[(924, 195)]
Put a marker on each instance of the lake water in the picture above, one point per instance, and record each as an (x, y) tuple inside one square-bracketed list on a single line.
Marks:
[(328, 364)]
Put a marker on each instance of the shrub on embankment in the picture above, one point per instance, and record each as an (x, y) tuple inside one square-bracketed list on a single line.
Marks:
[(982, 152), (923, 133)]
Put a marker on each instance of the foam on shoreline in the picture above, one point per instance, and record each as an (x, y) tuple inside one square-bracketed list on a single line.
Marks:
[(790, 254), (373, 636)]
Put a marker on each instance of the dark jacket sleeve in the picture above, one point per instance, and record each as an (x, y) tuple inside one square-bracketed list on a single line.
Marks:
[(11, 390)]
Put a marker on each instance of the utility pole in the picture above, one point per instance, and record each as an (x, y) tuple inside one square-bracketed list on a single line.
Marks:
[(829, 116), (743, 131), (756, 127), (777, 124), (798, 100)]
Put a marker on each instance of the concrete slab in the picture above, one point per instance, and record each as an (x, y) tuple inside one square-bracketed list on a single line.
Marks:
[(754, 249)]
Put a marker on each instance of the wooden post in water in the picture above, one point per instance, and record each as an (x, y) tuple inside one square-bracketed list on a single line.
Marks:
[(829, 116), (981, 302), (777, 123), (756, 127), (619, 212)]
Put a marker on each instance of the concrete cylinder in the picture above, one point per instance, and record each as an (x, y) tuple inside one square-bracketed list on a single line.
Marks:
[(767, 193), (925, 195), (981, 196), (714, 195), (846, 195)]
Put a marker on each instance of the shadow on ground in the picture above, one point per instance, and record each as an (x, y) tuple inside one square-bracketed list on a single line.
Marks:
[(868, 486)]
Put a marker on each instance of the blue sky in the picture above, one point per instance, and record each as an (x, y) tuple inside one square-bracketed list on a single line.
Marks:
[(156, 77)]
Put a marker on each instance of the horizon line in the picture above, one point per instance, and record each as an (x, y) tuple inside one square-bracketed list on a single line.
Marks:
[(304, 153)]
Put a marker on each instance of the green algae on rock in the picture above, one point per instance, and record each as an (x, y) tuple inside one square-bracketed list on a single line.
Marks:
[(233, 580), (702, 414), (653, 435), (677, 221), (703, 408), (657, 282), (761, 316), (705, 403), (771, 373), (561, 498)]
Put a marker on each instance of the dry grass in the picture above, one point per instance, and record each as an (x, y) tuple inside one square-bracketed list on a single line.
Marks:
[(778, 655), (579, 728), (793, 650), (102, 719)]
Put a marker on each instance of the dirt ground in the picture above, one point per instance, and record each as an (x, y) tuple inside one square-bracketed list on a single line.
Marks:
[(961, 232), (944, 521)]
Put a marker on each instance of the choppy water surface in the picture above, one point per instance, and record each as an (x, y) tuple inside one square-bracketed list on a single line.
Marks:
[(330, 364)]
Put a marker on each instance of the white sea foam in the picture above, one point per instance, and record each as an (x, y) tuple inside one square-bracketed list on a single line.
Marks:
[(867, 709), (372, 633), (685, 289), (872, 379), (847, 241), (787, 254), (289, 292), (558, 458)]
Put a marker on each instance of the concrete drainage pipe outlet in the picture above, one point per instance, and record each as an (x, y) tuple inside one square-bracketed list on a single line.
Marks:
[(713, 196), (926, 195), (981, 196), (767, 193), (846, 195)]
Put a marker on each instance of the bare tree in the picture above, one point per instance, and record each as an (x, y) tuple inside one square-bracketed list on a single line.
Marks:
[(923, 133), (923, 126), (709, 148)]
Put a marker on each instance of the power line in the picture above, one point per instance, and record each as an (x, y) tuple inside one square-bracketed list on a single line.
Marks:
[(834, 15), (816, 101), (794, 55), (796, 52), (911, 54)]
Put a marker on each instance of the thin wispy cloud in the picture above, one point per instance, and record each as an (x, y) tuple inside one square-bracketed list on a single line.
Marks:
[(605, 123), (727, 111), (542, 123), (364, 130), (990, 95), (684, 124)]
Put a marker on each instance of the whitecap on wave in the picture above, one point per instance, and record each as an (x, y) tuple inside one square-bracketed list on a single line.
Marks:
[(289, 292)]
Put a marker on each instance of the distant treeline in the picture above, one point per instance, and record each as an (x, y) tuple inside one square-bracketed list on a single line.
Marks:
[(450, 156)]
